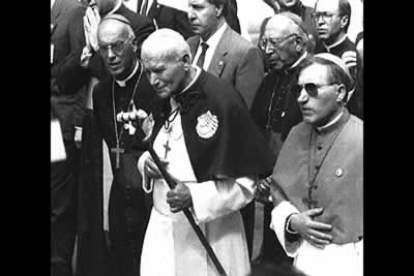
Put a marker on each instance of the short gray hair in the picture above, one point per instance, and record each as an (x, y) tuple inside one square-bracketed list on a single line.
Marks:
[(170, 43)]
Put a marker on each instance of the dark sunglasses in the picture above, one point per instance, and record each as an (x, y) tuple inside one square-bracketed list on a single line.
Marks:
[(310, 88)]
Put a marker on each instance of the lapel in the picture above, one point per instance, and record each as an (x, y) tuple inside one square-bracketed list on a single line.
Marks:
[(193, 42), (139, 3), (218, 62), (153, 10)]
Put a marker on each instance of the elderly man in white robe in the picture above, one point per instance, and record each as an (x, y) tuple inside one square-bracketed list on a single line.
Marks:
[(197, 135)]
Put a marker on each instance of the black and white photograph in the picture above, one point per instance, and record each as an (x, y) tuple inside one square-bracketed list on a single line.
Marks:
[(207, 138)]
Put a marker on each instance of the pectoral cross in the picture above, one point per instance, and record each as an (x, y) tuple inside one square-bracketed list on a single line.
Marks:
[(310, 202), (167, 148), (117, 151)]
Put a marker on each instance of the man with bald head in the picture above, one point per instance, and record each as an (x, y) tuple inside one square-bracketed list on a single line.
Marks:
[(126, 88), (317, 183), (275, 109), (196, 129)]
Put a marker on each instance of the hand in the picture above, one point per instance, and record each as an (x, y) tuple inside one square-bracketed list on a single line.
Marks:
[(179, 198), (91, 21), (312, 231), (262, 191), (78, 137), (151, 168)]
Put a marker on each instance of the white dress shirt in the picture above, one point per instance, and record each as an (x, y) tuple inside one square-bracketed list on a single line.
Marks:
[(212, 42)]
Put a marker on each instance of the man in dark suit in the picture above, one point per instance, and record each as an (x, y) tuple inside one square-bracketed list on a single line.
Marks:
[(229, 57), (171, 17), (68, 91), (164, 16)]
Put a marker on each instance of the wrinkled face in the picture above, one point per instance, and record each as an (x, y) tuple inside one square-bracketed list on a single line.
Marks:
[(280, 47), (165, 74), (318, 109), (287, 3), (203, 17), (327, 19), (118, 51)]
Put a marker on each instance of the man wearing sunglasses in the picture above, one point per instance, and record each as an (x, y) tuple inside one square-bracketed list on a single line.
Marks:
[(332, 19), (275, 109), (126, 214), (317, 181)]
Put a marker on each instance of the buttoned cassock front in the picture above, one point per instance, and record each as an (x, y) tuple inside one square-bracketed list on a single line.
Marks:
[(336, 182)]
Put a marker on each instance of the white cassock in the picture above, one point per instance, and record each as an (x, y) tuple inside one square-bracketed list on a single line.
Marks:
[(171, 247), (333, 259)]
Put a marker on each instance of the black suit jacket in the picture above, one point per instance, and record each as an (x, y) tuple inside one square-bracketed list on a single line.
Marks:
[(68, 78), (167, 17)]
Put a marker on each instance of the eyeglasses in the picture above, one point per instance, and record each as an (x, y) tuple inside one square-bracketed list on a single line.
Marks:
[(116, 47), (275, 43), (310, 88), (326, 16)]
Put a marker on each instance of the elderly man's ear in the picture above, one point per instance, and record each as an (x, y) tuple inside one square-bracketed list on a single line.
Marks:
[(344, 21), (135, 44), (341, 93), (300, 43), (186, 59)]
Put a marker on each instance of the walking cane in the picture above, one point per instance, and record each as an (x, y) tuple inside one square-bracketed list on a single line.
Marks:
[(187, 213)]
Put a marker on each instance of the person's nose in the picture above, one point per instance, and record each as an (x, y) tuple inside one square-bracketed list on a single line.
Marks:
[(190, 14), (303, 96), (153, 79), (320, 21), (269, 49), (111, 54)]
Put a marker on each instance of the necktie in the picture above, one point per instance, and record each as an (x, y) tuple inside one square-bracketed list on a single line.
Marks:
[(200, 61), (144, 7)]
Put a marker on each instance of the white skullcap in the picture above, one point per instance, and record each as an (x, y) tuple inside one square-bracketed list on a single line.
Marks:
[(338, 61)]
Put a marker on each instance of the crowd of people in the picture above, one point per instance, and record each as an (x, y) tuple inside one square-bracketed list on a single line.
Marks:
[(175, 127)]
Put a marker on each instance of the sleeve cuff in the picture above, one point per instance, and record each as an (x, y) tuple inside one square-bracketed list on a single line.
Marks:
[(214, 199), (288, 223), (278, 224)]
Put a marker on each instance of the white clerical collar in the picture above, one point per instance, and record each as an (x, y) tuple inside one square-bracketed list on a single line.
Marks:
[(336, 119), (329, 47), (122, 83), (117, 6), (302, 57), (149, 4), (197, 75)]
